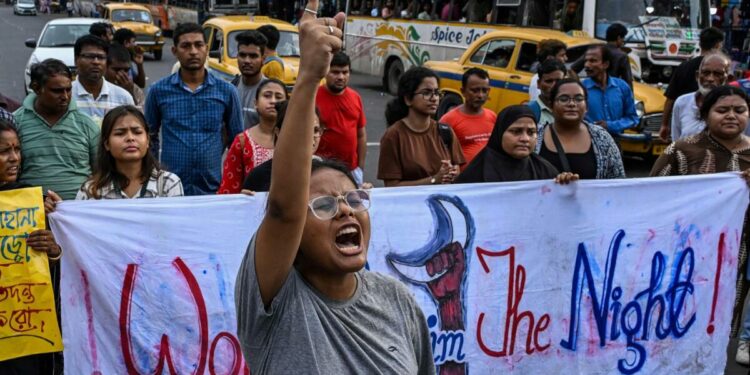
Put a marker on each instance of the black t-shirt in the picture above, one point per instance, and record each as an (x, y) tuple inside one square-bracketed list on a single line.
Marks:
[(683, 79), (259, 178), (582, 164)]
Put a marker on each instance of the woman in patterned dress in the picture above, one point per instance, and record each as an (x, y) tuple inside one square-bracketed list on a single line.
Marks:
[(721, 147), (254, 146), (584, 149)]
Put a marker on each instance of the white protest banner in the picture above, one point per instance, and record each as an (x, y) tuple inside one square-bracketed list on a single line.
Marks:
[(628, 276)]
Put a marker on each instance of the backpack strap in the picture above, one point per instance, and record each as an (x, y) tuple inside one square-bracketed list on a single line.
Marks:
[(560, 150), (446, 134)]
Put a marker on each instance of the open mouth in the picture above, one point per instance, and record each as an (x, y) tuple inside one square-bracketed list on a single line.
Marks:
[(349, 239)]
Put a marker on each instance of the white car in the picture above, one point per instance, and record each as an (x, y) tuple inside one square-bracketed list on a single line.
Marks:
[(24, 7), (56, 41)]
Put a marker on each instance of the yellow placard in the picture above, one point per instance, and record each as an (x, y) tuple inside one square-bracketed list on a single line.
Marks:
[(28, 321)]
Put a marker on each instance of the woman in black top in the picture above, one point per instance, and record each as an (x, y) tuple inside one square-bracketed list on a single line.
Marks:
[(573, 145)]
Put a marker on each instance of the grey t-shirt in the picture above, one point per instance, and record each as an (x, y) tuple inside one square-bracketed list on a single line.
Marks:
[(379, 330), (247, 99)]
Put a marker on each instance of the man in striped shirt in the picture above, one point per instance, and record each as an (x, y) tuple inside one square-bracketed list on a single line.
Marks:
[(95, 96)]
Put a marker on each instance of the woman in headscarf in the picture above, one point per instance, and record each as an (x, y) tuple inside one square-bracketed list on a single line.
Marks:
[(721, 147), (509, 154)]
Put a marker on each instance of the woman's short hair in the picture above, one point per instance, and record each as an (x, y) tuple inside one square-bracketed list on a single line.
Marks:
[(565, 81)]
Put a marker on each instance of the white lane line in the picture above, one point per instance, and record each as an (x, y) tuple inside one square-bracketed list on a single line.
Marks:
[(373, 144)]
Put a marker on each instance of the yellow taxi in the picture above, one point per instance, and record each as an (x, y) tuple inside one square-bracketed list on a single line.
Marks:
[(138, 19), (508, 55), (220, 34)]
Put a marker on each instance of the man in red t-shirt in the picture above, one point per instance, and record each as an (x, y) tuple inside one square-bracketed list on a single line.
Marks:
[(343, 115), (471, 122)]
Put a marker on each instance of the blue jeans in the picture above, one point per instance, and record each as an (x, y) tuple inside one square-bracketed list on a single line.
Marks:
[(745, 332)]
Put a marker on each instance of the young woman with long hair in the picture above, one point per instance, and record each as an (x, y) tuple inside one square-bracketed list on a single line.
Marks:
[(125, 166), (254, 146)]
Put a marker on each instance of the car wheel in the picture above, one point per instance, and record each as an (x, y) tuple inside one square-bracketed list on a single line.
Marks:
[(449, 102), (392, 75), (157, 54)]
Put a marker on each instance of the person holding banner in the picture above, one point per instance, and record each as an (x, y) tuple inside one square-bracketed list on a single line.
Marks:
[(721, 147), (509, 154), (39, 240), (304, 302), (125, 166), (573, 145)]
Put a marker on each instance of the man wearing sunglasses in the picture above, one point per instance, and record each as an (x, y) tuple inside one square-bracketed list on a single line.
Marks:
[(93, 95)]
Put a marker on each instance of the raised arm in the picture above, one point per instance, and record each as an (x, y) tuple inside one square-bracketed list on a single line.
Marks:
[(280, 233)]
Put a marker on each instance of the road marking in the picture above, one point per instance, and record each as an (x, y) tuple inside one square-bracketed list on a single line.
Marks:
[(373, 144)]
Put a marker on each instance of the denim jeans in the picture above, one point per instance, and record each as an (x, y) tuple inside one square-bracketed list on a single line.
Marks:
[(745, 332)]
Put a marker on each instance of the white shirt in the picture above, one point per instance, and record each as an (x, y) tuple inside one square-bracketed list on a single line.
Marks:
[(111, 96), (534, 88), (686, 117)]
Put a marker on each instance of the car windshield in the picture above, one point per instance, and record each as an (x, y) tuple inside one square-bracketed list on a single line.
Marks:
[(655, 14), (26, 1), (62, 35), (132, 15), (288, 44)]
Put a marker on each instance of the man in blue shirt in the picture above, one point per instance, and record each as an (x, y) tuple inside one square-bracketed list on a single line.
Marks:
[(610, 100), (194, 112)]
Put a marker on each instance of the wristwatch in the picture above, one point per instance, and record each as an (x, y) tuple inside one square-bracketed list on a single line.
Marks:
[(432, 180)]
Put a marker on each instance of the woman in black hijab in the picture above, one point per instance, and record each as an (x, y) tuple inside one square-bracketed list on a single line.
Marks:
[(509, 154)]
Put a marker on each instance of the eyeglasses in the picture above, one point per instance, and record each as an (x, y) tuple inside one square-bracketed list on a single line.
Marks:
[(565, 99), (327, 206), (428, 94), (93, 56)]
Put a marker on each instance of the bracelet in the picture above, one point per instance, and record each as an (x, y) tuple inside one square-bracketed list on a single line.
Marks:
[(57, 257)]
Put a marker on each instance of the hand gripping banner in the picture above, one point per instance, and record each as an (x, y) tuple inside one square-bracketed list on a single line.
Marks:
[(627, 276)]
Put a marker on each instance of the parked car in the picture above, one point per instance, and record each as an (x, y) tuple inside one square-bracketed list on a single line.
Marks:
[(222, 47), (56, 41), (508, 57), (22, 7), (138, 19)]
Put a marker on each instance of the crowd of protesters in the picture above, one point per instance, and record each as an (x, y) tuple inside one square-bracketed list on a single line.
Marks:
[(101, 137)]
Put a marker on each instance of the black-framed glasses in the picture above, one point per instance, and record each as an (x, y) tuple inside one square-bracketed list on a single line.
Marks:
[(566, 99), (428, 94), (318, 130), (327, 207)]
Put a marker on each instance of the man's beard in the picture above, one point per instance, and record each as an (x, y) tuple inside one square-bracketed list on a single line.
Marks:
[(704, 90), (336, 89)]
